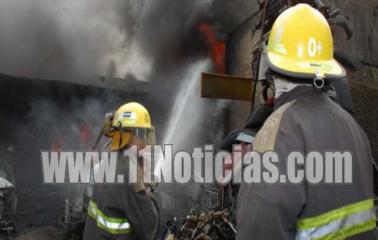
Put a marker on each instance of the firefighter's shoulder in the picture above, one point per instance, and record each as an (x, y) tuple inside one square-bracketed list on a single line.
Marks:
[(266, 138)]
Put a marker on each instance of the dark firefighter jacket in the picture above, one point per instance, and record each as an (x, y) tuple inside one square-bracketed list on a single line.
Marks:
[(306, 121), (120, 211)]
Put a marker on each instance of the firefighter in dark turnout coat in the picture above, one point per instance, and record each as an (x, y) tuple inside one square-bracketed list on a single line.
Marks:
[(305, 120), (124, 211)]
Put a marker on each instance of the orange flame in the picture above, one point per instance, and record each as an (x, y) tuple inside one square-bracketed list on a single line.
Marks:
[(84, 133), (217, 47), (56, 147)]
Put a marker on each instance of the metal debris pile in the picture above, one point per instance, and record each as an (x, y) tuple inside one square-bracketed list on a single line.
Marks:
[(201, 226)]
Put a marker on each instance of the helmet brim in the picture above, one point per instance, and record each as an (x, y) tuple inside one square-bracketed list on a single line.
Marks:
[(146, 135), (331, 69)]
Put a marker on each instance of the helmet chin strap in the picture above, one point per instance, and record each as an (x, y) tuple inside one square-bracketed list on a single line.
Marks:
[(120, 135)]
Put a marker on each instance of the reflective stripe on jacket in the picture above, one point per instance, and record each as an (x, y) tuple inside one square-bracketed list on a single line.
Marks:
[(305, 121), (120, 211), (107, 223), (339, 223)]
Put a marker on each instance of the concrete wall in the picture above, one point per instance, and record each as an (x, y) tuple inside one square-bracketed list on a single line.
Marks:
[(364, 87)]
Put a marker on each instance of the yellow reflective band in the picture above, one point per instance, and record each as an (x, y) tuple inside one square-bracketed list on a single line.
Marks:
[(339, 223), (350, 231), (339, 213), (106, 223)]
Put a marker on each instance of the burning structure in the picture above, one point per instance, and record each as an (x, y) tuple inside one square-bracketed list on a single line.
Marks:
[(49, 115), (65, 64), (53, 98)]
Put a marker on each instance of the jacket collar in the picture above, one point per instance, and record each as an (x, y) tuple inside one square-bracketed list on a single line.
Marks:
[(293, 94)]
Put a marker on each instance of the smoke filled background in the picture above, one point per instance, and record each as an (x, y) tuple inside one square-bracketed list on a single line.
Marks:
[(67, 39), (54, 54)]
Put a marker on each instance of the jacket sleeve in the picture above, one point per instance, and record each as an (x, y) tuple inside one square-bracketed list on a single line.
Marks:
[(269, 211), (140, 210)]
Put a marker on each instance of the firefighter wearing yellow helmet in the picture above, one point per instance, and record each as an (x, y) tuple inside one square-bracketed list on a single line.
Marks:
[(131, 122), (301, 45), (124, 211), (306, 121)]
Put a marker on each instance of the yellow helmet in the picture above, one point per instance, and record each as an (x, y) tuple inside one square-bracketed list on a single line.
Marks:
[(130, 120), (301, 45)]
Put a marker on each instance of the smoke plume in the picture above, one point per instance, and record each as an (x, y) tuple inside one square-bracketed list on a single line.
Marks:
[(158, 41), (69, 39)]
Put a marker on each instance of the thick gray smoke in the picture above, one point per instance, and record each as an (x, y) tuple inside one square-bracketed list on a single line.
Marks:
[(65, 39), (69, 39), (72, 40)]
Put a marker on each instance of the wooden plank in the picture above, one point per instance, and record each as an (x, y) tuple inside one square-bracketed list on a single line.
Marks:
[(226, 87)]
